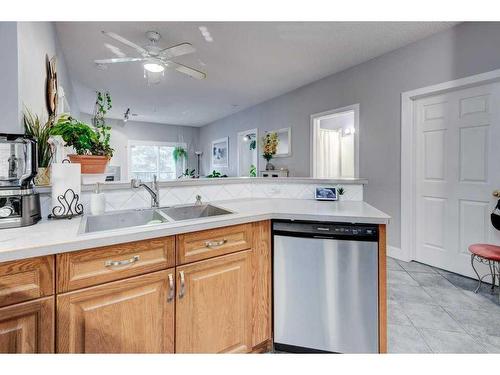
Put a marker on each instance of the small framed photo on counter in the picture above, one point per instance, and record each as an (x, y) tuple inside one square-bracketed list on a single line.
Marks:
[(326, 194)]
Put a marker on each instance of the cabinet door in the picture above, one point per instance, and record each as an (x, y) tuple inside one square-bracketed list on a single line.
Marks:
[(134, 315), (213, 310), (28, 327)]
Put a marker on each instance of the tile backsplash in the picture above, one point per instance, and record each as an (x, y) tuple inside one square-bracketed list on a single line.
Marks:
[(121, 199)]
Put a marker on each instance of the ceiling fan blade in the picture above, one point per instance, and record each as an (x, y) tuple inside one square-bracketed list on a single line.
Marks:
[(119, 60), (186, 70), (115, 50), (178, 50), (126, 42)]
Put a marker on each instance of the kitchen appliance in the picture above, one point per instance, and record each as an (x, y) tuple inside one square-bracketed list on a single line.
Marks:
[(325, 286), (19, 202)]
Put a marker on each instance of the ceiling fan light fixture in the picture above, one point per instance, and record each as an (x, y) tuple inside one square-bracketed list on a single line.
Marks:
[(154, 67)]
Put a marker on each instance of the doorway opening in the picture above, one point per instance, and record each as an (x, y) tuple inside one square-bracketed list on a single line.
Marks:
[(335, 143)]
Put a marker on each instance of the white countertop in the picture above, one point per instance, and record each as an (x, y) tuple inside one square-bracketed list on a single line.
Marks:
[(59, 236)]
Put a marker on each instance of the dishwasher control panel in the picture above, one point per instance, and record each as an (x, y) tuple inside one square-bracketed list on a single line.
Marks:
[(337, 230)]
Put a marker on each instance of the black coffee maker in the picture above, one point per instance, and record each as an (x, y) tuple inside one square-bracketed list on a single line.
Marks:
[(19, 202)]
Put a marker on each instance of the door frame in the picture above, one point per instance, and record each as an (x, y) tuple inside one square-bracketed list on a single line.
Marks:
[(313, 137), (407, 251), (238, 142)]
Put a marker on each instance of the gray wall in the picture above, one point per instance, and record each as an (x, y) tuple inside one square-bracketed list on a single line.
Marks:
[(122, 132), (467, 49), (35, 41), (9, 102), (23, 47)]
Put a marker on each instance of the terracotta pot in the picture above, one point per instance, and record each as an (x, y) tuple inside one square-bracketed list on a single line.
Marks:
[(91, 164), (43, 176)]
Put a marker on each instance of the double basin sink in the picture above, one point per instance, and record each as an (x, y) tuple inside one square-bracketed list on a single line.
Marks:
[(146, 217)]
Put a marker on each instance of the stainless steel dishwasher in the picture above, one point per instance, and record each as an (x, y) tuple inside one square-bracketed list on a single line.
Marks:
[(325, 287)]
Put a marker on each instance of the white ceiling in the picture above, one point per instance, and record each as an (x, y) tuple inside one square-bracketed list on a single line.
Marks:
[(247, 63)]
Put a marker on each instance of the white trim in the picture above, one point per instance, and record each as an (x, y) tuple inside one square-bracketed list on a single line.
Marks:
[(408, 151), (219, 167), (313, 135), (397, 253), (238, 141), (284, 130)]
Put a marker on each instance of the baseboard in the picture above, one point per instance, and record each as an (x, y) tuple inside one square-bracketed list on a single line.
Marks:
[(398, 253)]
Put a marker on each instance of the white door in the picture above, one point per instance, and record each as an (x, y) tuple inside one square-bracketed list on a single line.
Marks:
[(458, 167)]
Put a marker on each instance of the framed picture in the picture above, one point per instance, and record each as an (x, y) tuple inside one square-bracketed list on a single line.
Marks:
[(285, 143), (326, 194), (220, 153)]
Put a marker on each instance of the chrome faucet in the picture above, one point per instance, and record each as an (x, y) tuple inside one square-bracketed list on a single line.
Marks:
[(198, 201), (154, 190)]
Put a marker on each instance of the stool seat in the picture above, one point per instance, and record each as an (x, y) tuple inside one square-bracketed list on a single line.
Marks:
[(490, 252)]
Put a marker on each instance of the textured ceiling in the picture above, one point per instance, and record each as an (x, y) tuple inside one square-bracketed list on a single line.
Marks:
[(247, 63)]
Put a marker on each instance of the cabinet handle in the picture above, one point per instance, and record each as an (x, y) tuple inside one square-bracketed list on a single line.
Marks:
[(211, 244), (183, 284), (121, 263), (171, 290)]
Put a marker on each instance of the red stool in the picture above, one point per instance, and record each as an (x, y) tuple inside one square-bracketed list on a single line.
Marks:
[(486, 254)]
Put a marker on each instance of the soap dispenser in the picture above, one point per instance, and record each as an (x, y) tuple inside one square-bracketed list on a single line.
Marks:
[(97, 201)]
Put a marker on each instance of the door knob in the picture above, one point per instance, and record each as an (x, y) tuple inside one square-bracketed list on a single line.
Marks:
[(496, 193)]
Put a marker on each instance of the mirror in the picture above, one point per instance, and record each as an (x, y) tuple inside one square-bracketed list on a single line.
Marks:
[(285, 143), (247, 153)]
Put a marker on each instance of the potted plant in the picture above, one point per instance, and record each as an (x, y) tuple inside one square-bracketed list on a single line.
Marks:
[(188, 174), (216, 174), (34, 127), (341, 192), (253, 171), (269, 148), (91, 144)]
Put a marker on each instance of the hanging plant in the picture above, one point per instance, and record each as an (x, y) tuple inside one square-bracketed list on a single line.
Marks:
[(102, 105), (179, 153)]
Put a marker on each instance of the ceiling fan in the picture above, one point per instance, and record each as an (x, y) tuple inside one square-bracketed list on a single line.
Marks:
[(154, 58)]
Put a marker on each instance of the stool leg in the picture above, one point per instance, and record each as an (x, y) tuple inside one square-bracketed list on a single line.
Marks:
[(493, 275), (472, 257)]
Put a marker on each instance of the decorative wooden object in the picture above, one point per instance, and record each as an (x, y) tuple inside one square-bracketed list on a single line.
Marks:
[(52, 86)]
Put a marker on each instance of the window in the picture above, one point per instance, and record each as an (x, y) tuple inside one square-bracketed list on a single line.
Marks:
[(335, 143), (152, 158)]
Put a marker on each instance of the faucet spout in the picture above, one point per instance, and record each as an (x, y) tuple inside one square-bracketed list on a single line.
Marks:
[(154, 190)]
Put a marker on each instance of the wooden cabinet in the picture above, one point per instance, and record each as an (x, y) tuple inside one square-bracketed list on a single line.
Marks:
[(261, 283), (26, 279), (214, 306), (122, 298), (85, 268), (134, 315), (205, 244), (28, 327)]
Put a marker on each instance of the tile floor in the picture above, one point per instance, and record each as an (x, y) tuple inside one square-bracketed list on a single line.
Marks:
[(435, 311)]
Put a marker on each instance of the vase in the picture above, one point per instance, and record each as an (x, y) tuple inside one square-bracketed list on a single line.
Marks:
[(269, 166), (91, 164), (43, 176)]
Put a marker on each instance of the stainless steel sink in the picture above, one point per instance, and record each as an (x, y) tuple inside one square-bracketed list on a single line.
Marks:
[(193, 211), (121, 219)]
